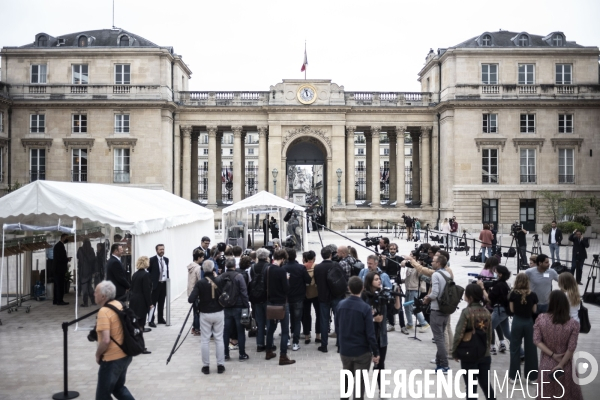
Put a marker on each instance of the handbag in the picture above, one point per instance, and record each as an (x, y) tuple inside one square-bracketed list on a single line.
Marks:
[(274, 311), (473, 344), (584, 319)]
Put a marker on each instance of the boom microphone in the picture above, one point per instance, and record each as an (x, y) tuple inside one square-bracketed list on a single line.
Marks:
[(288, 216)]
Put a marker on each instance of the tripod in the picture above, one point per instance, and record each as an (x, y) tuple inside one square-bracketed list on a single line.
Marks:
[(593, 274), (178, 336), (462, 241), (415, 311), (517, 256)]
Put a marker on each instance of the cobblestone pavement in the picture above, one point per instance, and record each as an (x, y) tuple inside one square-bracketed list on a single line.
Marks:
[(31, 355)]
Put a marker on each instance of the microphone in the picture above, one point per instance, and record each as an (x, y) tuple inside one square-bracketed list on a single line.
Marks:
[(288, 216), (408, 303)]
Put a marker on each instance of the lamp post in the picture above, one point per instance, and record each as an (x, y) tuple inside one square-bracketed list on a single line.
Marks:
[(275, 172), (339, 175)]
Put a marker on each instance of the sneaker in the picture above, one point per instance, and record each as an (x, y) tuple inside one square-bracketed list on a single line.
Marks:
[(390, 328), (244, 357), (296, 347), (220, 369), (404, 330), (233, 347), (493, 351), (424, 328), (502, 348), (205, 370), (433, 361), (288, 345), (409, 327), (444, 370), (511, 380)]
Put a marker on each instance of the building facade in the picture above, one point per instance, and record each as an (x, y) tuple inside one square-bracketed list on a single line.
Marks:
[(500, 118)]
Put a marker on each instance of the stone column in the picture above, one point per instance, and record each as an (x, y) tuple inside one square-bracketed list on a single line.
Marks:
[(243, 162), (219, 166), (213, 170), (368, 147), (426, 165), (194, 167), (350, 168), (186, 173), (435, 189), (263, 180), (392, 157), (375, 167), (416, 170), (400, 168), (237, 163)]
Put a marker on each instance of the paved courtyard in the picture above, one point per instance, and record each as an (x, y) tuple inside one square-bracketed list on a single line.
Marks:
[(31, 354)]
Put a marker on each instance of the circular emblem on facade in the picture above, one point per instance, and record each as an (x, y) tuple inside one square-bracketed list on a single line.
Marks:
[(307, 94)]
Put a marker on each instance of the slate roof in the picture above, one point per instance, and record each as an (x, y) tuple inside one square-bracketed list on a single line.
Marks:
[(100, 38), (504, 39)]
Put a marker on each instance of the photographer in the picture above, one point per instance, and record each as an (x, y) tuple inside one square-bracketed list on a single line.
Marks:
[(579, 253), (379, 306), (412, 282), (519, 234), (497, 298), (453, 232), (408, 221), (494, 239), (390, 263)]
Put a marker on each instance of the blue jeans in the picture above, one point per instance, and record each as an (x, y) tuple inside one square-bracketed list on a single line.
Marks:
[(326, 308), (554, 248), (233, 317), (500, 318), (411, 295), (111, 380), (285, 331), (260, 313), (483, 251), (296, 319), (418, 234)]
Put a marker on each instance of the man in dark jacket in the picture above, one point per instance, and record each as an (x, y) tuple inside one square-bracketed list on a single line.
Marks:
[(233, 314), (298, 279), (327, 302), (116, 273), (277, 293), (579, 254), (554, 241), (207, 291), (159, 273), (60, 269), (258, 286)]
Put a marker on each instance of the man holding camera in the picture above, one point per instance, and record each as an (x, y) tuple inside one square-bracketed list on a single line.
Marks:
[(579, 254), (390, 263), (453, 233), (520, 236)]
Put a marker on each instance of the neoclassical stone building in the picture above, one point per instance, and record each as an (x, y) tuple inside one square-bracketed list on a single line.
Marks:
[(499, 118)]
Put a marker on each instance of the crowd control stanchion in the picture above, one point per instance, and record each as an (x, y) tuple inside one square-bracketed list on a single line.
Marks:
[(66, 394), (168, 302)]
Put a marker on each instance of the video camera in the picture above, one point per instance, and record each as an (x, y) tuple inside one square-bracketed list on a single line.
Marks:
[(488, 282), (418, 306), (515, 228), (419, 255), (388, 295), (371, 241)]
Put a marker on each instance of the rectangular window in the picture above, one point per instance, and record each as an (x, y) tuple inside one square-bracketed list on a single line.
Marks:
[(565, 123), (1, 122), (360, 151), (528, 166), (230, 152), (490, 211), (121, 123), (566, 170), (80, 74), (250, 151), (1, 164), (386, 152), (490, 123), (122, 74), (38, 73), (79, 165), (205, 152), (37, 163), (489, 164), (38, 123), (361, 165), (527, 123), (489, 74), (564, 74), (79, 123), (121, 168), (526, 74), (204, 139)]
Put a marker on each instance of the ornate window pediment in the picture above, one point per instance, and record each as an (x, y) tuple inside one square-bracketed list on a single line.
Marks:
[(495, 142), (537, 142), (45, 143), (112, 142), (564, 142), (73, 142)]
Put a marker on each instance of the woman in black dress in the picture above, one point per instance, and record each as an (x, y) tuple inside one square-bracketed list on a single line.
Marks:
[(140, 299)]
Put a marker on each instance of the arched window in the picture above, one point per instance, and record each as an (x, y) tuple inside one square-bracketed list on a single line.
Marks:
[(486, 40), (43, 41), (523, 41), (557, 40), (82, 41), (124, 41)]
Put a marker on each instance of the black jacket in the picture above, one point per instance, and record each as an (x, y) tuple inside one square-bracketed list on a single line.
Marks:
[(579, 247), (60, 258), (203, 291), (140, 299), (321, 270), (276, 284), (299, 278), (498, 294), (558, 236), (117, 275), (260, 268), (154, 270)]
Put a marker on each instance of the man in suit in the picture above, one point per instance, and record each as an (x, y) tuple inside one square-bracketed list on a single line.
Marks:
[(579, 254), (205, 247), (60, 269), (116, 273), (554, 240), (159, 273)]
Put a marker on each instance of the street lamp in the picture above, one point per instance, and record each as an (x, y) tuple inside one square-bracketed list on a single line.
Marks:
[(275, 172), (339, 175)]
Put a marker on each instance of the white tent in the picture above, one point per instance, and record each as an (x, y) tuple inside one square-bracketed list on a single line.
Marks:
[(151, 216), (263, 202)]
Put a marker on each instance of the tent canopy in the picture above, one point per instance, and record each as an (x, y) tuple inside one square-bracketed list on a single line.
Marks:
[(262, 199), (137, 210)]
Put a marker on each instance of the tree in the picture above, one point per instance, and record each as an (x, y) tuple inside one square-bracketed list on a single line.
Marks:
[(553, 202), (559, 206)]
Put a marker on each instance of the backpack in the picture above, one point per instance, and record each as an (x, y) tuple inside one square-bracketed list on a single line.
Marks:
[(229, 292), (558, 267), (336, 281), (451, 295), (476, 258), (258, 293), (133, 335), (356, 268), (511, 252)]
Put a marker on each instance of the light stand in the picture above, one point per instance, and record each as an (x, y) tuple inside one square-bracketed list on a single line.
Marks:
[(593, 274)]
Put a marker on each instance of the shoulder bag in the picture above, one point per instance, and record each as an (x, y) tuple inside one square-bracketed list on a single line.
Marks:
[(473, 344), (274, 311), (584, 319)]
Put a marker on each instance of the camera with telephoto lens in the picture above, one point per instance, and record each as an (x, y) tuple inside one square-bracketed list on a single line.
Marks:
[(488, 282), (387, 295), (515, 228), (371, 241)]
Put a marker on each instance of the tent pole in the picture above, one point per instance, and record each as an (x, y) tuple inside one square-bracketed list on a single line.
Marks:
[(76, 274), (2, 270)]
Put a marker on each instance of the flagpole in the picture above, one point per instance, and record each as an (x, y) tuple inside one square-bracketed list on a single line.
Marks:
[(305, 57)]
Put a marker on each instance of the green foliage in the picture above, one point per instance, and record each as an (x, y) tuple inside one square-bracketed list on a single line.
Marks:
[(560, 206), (68, 277), (13, 187), (566, 227), (583, 220), (553, 200)]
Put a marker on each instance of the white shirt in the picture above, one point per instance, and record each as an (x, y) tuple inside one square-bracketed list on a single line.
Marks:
[(574, 312), (164, 267), (552, 236)]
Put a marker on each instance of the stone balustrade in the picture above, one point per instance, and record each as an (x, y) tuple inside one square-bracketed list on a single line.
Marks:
[(90, 92), (464, 91)]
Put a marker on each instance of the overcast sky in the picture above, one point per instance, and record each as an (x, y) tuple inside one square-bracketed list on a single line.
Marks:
[(250, 45)]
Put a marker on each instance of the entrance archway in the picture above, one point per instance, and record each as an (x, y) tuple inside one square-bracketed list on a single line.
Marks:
[(306, 176)]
